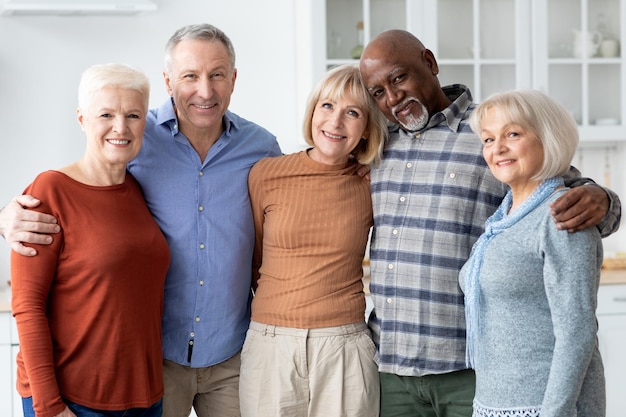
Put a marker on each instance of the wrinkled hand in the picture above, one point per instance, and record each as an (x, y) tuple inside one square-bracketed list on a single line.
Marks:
[(19, 225), (66, 413), (580, 208)]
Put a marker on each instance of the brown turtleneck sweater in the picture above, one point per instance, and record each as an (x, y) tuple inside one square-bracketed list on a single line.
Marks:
[(312, 222)]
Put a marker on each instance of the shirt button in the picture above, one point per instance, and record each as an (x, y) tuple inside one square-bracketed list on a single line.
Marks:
[(389, 301), (395, 232), (192, 334), (409, 165), (197, 319), (417, 135), (402, 199), (201, 208), (201, 282), (452, 175), (200, 173), (390, 266), (202, 246), (191, 343)]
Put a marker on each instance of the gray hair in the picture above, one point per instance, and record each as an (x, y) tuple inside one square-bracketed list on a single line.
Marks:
[(203, 31), (538, 113), (100, 76)]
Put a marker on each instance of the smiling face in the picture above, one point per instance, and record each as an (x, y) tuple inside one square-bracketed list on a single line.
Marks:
[(201, 80), (514, 154), (401, 75), (337, 127), (113, 123)]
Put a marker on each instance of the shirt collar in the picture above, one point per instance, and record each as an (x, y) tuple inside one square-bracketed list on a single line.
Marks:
[(166, 115)]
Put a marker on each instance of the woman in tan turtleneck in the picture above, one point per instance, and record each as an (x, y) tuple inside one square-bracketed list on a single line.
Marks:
[(308, 351)]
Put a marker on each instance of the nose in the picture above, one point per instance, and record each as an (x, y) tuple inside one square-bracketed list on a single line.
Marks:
[(393, 95), (499, 145), (205, 88), (336, 119), (120, 125)]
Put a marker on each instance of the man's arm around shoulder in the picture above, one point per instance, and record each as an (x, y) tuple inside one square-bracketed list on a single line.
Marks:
[(19, 225)]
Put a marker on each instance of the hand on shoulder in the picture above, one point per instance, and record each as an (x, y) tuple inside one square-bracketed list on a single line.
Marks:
[(19, 225)]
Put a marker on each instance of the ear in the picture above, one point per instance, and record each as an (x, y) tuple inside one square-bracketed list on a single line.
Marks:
[(168, 83), (233, 80), (430, 60), (80, 117)]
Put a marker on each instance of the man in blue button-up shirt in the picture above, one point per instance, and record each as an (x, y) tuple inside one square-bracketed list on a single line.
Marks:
[(193, 168)]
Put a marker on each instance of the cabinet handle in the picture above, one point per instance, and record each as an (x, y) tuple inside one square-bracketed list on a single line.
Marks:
[(620, 299)]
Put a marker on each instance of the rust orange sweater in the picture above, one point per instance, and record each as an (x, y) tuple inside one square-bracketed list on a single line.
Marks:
[(311, 221), (88, 307)]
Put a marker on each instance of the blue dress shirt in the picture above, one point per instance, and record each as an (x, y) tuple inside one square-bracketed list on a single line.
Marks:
[(203, 209)]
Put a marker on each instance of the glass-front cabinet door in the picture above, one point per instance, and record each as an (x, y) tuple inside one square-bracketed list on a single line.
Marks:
[(579, 62), (482, 44), (479, 43), (569, 49), (350, 24)]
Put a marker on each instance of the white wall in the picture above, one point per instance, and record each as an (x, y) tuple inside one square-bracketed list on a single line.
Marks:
[(41, 59)]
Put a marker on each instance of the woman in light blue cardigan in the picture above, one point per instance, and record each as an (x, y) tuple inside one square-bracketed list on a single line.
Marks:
[(530, 289)]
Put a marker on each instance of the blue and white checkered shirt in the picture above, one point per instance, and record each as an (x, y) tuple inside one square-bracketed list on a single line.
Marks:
[(432, 193)]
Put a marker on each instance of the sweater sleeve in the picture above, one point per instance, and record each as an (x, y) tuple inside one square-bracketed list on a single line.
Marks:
[(571, 277), (31, 279)]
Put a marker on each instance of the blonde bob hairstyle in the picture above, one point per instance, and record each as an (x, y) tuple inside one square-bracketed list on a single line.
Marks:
[(97, 77), (537, 113), (345, 81)]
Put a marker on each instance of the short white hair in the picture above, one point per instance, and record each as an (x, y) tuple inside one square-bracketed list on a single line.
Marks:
[(100, 76)]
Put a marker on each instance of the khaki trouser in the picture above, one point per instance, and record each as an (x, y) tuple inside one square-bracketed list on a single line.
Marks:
[(315, 373), (212, 391)]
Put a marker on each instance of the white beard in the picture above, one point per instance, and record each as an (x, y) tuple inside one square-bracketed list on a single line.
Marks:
[(412, 122)]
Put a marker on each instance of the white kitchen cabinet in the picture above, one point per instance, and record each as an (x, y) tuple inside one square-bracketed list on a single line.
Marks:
[(612, 338), (10, 401), (589, 80), (6, 390), (494, 45)]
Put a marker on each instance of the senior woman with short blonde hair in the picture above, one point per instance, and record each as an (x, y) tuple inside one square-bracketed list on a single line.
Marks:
[(530, 289)]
